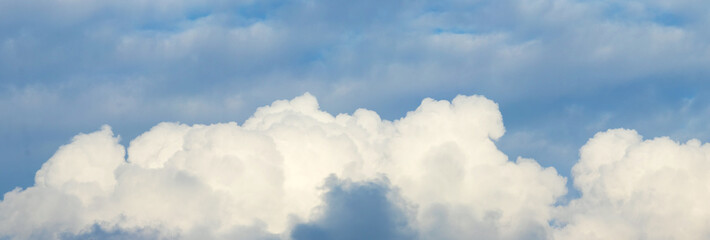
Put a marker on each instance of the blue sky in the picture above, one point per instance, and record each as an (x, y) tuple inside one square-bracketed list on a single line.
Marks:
[(560, 70)]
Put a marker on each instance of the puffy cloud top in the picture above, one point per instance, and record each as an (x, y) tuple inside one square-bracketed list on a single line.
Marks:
[(636, 189), (293, 171)]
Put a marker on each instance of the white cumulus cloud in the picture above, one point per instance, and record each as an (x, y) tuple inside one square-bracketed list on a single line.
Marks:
[(639, 189), (293, 171)]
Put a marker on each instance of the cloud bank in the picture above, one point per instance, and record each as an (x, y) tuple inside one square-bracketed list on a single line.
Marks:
[(549, 63), (293, 171)]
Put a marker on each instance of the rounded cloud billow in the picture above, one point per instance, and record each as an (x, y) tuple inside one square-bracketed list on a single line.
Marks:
[(292, 171)]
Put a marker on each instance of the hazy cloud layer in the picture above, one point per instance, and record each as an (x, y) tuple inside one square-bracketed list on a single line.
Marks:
[(293, 171)]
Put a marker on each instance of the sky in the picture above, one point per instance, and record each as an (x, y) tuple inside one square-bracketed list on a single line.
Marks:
[(529, 119)]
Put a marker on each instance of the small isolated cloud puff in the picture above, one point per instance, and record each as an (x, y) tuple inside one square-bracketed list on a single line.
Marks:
[(445, 179)]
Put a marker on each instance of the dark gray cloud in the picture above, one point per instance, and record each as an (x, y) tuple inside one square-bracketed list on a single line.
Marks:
[(358, 210)]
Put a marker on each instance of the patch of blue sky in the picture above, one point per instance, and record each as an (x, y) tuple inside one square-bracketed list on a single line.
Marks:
[(456, 30), (257, 11), (159, 26), (670, 19), (198, 14), (449, 6), (623, 11), (231, 16)]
